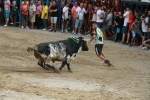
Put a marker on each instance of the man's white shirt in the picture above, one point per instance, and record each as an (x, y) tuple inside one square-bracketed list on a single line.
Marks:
[(80, 13), (100, 12), (65, 10)]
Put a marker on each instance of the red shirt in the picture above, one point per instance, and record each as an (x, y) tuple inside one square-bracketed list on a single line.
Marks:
[(131, 20), (24, 8)]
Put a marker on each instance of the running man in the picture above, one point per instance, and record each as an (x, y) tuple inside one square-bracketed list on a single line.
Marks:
[(97, 34)]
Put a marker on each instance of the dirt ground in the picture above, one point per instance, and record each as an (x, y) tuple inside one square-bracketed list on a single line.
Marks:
[(22, 79)]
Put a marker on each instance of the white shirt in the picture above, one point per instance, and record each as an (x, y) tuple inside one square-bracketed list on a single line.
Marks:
[(65, 10), (145, 27), (31, 9), (100, 12), (126, 19), (80, 13)]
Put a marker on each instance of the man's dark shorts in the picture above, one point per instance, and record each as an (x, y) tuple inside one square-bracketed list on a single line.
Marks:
[(107, 28), (24, 17), (144, 34), (125, 30), (65, 20), (12, 13), (98, 49)]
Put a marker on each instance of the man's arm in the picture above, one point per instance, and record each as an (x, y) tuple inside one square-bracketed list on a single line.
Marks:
[(54, 10), (92, 38), (64, 15)]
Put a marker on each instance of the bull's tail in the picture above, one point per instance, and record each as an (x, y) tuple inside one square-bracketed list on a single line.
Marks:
[(31, 49)]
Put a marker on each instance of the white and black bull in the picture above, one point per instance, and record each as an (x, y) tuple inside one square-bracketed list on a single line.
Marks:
[(65, 51)]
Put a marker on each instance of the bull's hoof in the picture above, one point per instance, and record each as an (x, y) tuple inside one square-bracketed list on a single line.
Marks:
[(70, 70), (58, 71)]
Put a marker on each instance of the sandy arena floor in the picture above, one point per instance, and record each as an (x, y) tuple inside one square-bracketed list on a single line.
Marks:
[(22, 79)]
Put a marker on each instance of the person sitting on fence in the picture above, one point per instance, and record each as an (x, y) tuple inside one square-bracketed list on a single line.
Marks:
[(146, 43)]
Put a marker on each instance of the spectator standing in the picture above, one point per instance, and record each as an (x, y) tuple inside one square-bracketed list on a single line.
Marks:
[(54, 14), (13, 12), (114, 25), (58, 17), (6, 11), (90, 15), (108, 24), (49, 14), (119, 24), (1, 11), (32, 13), (80, 11), (135, 31), (24, 8), (131, 20), (125, 26), (38, 14), (85, 20), (44, 16), (94, 16), (74, 15), (65, 17), (144, 26), (100, 17), (69, 13)]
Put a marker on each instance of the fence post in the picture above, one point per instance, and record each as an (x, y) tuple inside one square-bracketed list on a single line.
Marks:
[(20, 15)]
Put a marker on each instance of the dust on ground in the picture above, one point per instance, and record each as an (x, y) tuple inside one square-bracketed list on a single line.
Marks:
[(22, 79)]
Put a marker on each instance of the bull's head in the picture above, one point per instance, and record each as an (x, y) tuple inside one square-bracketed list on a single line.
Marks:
[(83, 44)]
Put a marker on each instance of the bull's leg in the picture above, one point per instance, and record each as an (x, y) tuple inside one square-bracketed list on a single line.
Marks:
[(41, 65), (68, 66), (62, 65), (49, 66)]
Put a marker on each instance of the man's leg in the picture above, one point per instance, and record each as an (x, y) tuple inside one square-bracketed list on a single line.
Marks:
[(11, 17), (52, 23), (128, 36), (55, 23), (124, 34), (62, 26), (100, 54)]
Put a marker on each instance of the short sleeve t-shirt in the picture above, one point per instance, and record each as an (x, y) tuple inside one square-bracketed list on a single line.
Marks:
[(126, 19), (99, 37), (45, 11), (32, 8), (70, 7), (54, 14), (14, 3), (145, 26), (7, 5), (80, 13), (100, 12), (131, 18), (73, 11), (25, 9), (65, 10), (109, 18)]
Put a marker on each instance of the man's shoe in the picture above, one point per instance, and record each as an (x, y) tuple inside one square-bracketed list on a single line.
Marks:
[(130, 45)]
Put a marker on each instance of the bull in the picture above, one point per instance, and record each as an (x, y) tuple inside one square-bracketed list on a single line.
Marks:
[(64, 51)]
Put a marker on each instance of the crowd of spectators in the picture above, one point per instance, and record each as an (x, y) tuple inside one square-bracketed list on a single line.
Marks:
[(127, 27)]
